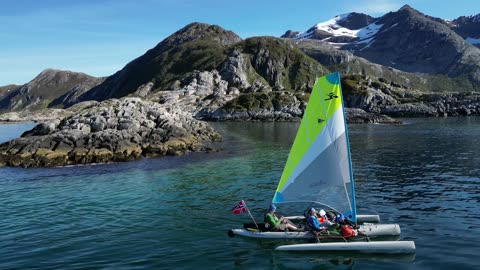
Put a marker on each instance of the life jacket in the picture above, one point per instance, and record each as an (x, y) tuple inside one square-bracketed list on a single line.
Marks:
[(321, 220), (267, 224), (268, 220), (347, 231)]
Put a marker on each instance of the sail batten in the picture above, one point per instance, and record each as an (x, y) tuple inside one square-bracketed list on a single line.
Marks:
[(318, 168)]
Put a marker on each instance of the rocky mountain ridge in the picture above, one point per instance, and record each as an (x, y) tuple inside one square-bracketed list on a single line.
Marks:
[(406, 40), (48, 89), (468, 27), (196, 46), (340, 27), (221, 69)]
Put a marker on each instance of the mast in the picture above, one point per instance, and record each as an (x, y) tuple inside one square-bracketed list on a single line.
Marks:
[(352, 185)]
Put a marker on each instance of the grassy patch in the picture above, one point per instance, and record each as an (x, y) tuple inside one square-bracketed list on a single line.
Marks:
[(351, 85), (280, 64), (254, 101), (249, 101), (180, 61)]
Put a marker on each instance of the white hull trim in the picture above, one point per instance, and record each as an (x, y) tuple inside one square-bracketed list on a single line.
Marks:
[(367, 247)]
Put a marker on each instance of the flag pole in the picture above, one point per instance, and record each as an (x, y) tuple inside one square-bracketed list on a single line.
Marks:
[(248, 210)]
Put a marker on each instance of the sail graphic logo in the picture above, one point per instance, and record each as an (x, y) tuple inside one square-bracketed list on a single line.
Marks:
[(331, 96)]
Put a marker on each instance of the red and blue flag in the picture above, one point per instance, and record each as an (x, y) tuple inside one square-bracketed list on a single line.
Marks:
[(239, 208)]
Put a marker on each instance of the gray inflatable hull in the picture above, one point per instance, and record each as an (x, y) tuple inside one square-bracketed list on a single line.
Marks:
[(365, 247), (369, 229)]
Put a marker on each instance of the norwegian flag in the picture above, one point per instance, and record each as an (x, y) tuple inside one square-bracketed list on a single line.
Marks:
[(239, 208)]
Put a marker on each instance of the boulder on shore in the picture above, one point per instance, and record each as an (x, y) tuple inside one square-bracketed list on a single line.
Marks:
[(113, 130)]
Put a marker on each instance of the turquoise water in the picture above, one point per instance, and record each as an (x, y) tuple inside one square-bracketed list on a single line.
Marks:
[(174, 212)]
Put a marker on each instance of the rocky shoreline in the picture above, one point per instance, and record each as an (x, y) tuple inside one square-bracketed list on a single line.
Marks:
[(399, 102), (113, 130), (353, 116)]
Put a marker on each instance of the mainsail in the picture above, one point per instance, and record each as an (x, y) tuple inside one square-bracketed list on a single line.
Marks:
[(319, 167)]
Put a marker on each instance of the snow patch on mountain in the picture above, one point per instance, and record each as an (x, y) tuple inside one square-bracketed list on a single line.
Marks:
[(333, 27), (366, 34), (473, 41)]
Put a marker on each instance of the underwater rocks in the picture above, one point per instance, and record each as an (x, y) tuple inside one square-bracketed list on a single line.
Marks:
[(113, 130)]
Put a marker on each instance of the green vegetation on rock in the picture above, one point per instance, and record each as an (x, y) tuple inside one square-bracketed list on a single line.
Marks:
[(249, 101), (280, 64), (262, 100), (351, 85), (202, 54)]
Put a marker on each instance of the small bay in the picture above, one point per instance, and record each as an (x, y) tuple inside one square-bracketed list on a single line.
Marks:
[(174, 212)]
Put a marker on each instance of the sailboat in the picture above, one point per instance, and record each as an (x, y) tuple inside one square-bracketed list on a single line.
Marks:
[(319, 168)]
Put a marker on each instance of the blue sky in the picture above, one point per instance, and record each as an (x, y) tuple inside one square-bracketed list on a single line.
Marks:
[(99, 37)]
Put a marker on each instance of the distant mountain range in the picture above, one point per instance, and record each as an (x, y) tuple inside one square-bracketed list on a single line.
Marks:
[(359, 28), (406, 40), (387, 61)]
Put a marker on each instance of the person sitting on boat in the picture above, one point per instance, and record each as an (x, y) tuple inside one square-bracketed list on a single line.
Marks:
[(278, 223), (314, 222), (348, 229), (322, 218), (342, 220)]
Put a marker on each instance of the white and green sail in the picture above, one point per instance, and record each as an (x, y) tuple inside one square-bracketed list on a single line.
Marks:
[(319, 168)]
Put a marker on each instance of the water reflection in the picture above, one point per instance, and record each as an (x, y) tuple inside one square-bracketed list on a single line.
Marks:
[(338, 260)]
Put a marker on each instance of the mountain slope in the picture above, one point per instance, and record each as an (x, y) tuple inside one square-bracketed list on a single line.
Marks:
[(249, 65), (262, 78), (196, 46), (411, 42), (5, 90), (45, 89), (348, 64), (280, 64), (406, 40), (468, 27)]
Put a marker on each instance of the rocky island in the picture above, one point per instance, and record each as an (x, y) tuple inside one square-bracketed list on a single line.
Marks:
[(113, 130)]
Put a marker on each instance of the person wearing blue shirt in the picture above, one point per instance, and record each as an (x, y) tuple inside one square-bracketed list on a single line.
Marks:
[(313, 221)]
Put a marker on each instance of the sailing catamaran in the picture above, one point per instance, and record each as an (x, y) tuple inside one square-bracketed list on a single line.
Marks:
[(319, 169)]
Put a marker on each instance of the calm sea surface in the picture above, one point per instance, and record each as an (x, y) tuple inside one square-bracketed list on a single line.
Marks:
[(174, 212)]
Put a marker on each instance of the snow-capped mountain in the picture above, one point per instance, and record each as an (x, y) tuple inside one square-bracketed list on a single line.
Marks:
[(406, 40), (357, 28)]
